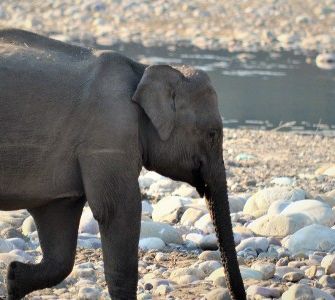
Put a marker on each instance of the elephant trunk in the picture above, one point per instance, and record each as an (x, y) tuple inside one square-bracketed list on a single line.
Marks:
[(218, 205)]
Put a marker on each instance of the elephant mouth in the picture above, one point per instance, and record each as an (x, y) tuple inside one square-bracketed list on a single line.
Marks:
[(199, 182)]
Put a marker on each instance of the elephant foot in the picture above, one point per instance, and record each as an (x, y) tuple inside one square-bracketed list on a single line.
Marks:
[(14, 284)]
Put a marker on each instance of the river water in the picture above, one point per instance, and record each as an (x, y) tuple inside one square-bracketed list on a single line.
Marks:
[(258, 90)]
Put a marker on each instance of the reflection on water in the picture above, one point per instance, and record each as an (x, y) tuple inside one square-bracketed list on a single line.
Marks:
[(262, 90)]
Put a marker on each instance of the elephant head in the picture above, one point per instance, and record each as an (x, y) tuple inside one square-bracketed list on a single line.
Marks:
[(181, 137)]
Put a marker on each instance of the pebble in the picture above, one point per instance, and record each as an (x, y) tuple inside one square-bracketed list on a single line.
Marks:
[(161, 230), (191, 215), (88, 293), (265, 292), (328, 263), (299, 292), (260, 243), (169, 209), (293, 276), (28, 226), (218, 294), (267, 269)]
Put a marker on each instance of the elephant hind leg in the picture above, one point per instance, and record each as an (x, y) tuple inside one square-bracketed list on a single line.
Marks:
[(57, 225)]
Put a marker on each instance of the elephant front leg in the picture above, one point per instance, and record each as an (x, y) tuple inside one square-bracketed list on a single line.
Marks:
[(115, 201), (120, 250)]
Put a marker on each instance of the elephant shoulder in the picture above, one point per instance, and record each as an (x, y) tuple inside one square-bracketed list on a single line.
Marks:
[(23, 38)]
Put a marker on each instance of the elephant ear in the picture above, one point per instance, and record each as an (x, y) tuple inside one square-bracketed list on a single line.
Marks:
[(156, 95)]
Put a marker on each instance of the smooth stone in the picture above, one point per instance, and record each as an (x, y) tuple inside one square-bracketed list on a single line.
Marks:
[(205, 224), (282, 270), (10, 232), (326, 61), (194, 238), (169, 209), (328, 263), (191, 215), (312, 211), (298, 292), (151, 243), (87, 222), (28, 226), (327, 281), (283, 180), (209, 242), (185, 190), (18, 243), (321, 295), (146, 208), (14, 218), (218, 294), (266, 292), (275, 225), (177, 274), (301, 240), (236, 204), (278, 206), (160, 230), (88, 293), (293, 276), (258, 204), (84, 273), (217, 274), (267, 269), (6, 246), (260, 243), (220, 282), (248, 273), (7, 258), (311, 272), (210, 255), (162, 187), (162, 290), (208, 267), (146, 180)]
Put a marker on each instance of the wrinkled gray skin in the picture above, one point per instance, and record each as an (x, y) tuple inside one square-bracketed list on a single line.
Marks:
[(76, 126)]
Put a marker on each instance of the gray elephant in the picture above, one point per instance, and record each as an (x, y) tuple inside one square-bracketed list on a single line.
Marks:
[(76, 126)]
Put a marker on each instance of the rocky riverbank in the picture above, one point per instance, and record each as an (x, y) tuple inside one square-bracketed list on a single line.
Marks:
[(282, 199), (254, 25)]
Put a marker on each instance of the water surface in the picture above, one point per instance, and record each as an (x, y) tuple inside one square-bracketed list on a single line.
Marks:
[(261, 90)]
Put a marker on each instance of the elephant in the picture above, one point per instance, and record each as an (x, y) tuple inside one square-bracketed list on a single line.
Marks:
[(77, 127)]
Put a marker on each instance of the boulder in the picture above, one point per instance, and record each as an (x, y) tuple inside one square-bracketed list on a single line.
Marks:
[(314, 237), (161, 230), (259, 203)]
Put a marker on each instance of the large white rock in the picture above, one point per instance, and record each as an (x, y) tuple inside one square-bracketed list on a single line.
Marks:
[(185, 190), (146, 180), (278, 206), (177, 275), (311, 212), (205, 224), (266, 268), (236, 204), (255, 243), (6, 246), (259, 203), (162, 187), (161, 230), (14, 218), (314, 237), (28, 225), (87, 222), (191, 215), (275, 225), (151, 243), (169, 209), (146, 208)]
